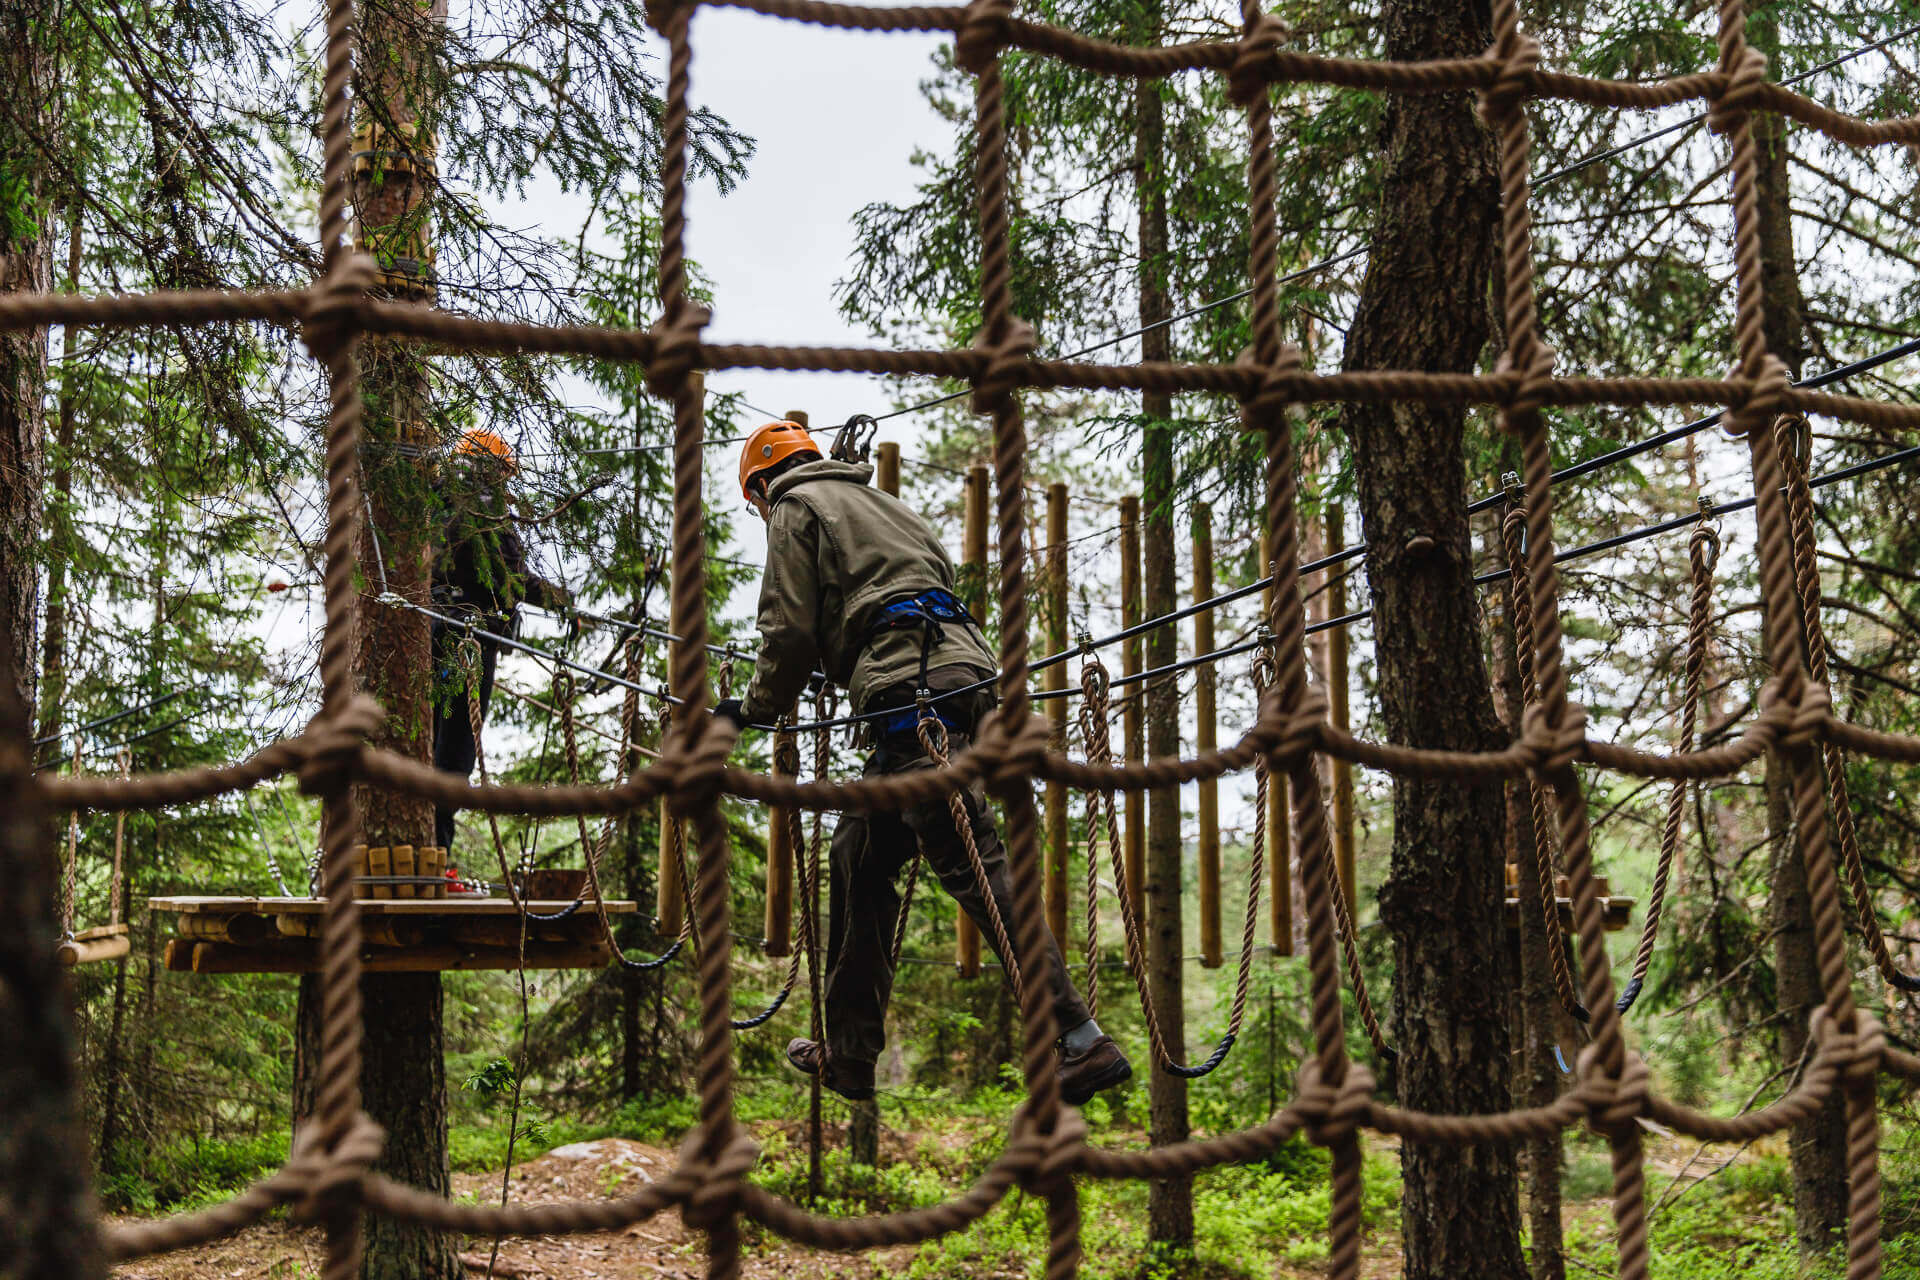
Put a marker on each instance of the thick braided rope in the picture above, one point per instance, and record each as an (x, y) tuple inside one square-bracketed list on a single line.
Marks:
[(1539, 795), (1703, 552), (933, 740), (329, 1174), (1807, 591)]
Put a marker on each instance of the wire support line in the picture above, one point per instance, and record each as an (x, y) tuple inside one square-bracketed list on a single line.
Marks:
[(1325, 264), (1611, 543), (104, 721)]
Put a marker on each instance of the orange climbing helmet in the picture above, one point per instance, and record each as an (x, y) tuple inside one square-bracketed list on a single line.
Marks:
[(477, 442), (768, 447)]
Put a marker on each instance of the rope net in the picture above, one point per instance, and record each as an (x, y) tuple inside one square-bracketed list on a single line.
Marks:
[(327, 1177)]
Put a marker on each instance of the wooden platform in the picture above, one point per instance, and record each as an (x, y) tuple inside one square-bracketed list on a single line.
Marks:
[(401, 935), (1617, 912), (103, 942)]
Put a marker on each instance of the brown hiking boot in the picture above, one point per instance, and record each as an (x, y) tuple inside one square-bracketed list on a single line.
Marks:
[(850, 1080), (1082, 1075)]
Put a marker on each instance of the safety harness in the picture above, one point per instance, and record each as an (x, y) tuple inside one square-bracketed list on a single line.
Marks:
[(931, 612)]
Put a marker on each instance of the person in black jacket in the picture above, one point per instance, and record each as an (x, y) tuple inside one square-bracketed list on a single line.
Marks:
[(479, 576)]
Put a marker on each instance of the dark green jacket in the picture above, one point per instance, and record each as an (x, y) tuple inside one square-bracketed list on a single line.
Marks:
[(837, 549)]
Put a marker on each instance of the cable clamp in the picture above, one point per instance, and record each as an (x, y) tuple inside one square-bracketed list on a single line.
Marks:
[(1085, 641), (1511, 487)]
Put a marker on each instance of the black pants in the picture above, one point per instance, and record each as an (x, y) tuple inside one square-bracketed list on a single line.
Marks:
[(869, 852), (454, 746)]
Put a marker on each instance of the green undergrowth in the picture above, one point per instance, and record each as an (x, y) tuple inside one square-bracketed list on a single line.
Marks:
[(190, 1175)]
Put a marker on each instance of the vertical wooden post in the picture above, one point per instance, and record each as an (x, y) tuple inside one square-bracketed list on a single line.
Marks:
[(1344, 858), (779, 923), (1279, 833), (1056, 678), (973, 590), (1132, 719), (1206, 738), (670, 896), (886, 467)]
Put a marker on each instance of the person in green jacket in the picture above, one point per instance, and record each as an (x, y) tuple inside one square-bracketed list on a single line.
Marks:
[(858, 586)]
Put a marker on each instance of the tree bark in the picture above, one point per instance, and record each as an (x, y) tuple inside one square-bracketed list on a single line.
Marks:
[(1169, 1200), (1423, 305), (403, 1073), (47, 1213), (53, 665), (27, 75)]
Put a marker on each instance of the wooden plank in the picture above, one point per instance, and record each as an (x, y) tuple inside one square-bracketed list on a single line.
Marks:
[(1617, 913), (399, 907), (179, 955), (100, 931), (304, 957), (403, 864), (380, 863), (88, 951)]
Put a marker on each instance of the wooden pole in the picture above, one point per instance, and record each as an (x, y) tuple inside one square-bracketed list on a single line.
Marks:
[(1206, 738), (1344, 856), (973, 590), (886, 467), (1132, 720), (1056, 678), (1279, 835)]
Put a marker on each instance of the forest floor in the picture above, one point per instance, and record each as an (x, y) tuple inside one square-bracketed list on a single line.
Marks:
[(663, 1248)]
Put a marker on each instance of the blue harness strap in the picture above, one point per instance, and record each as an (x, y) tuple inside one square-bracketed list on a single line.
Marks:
[(927, 611)]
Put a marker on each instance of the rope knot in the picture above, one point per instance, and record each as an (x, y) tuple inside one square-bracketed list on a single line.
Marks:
[(1514, 57), (1554, 748), (1004, 370), (1276, 387), (1048, 1160), (1614, 1103), (704, 743), (1333, 1113), (985, 29), (333, 742), (717, 1179), (1247, 78), (1811, 713), (660, 13), (333, 1178), (676, 349), (1746, 86), (1531, 379), (1300, 731), (1859, 1068), (335, 300), (1012, 749), (1763, 397)]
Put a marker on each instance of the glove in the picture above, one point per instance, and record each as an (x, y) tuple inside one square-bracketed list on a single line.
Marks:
[(729, 709)]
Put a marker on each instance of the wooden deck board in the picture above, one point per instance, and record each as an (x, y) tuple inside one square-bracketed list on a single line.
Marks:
[(376, 906)]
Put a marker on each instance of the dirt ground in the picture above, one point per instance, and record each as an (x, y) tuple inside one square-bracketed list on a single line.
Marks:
[(662, 1248)]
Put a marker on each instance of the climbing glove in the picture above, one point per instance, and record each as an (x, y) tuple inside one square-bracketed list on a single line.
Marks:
[(729, 709)]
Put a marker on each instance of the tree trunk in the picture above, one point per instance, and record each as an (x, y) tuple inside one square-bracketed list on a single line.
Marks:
[(403, 1071), (1817, 1145), (47, 1212), (1170, 1200), (1423, 305), (1538, 1003), (27, 75), (53, 664)]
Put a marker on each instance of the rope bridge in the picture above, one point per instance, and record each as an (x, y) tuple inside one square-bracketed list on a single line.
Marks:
[(327, 1177)]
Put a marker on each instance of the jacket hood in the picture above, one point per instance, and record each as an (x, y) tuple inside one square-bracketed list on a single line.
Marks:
[(825, 469)]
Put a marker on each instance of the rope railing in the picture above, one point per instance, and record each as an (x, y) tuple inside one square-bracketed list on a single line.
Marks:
[(328, 1179)]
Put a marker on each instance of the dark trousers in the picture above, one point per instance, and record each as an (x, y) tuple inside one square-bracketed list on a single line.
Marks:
[(869, 852), (455, 749)]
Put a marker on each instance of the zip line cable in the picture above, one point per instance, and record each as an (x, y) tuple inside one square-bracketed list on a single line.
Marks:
[(1316, 268)]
